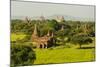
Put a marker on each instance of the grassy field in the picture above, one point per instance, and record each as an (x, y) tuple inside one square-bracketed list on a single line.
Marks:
[(65, 55), (60, 54), (14, 36)]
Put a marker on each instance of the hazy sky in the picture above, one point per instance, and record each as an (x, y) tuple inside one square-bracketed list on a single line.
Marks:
[(32, 9)]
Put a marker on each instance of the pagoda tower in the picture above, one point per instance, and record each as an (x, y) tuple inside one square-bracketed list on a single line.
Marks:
[(59, 18), (35, 33)]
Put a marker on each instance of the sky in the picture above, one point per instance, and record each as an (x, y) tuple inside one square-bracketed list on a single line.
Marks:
[(31, 9)]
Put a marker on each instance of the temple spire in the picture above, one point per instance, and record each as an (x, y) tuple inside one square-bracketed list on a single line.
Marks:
[(48, 34), (62, 28), (35, 30), (52, 35), (27, 19)]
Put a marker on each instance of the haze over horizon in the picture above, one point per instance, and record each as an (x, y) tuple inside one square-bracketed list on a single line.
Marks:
[(36, 9)]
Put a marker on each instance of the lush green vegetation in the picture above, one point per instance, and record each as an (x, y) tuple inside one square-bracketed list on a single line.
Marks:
[(63, 55), (75, 41), (70, 27), (15, 37), (22, 55)]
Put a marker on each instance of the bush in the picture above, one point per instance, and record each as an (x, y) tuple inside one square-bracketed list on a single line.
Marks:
[(81, 39), (22, 55)]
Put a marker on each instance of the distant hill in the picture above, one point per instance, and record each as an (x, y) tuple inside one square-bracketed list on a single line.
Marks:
[(66, 17)]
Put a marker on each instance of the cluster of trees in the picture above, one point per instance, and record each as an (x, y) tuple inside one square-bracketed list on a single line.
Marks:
[(69, 27), (22, 55), (65, 31)]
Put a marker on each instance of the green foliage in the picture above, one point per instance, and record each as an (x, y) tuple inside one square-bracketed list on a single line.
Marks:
[(70, 29), (81, 39), (63, 55), (22, 55)]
